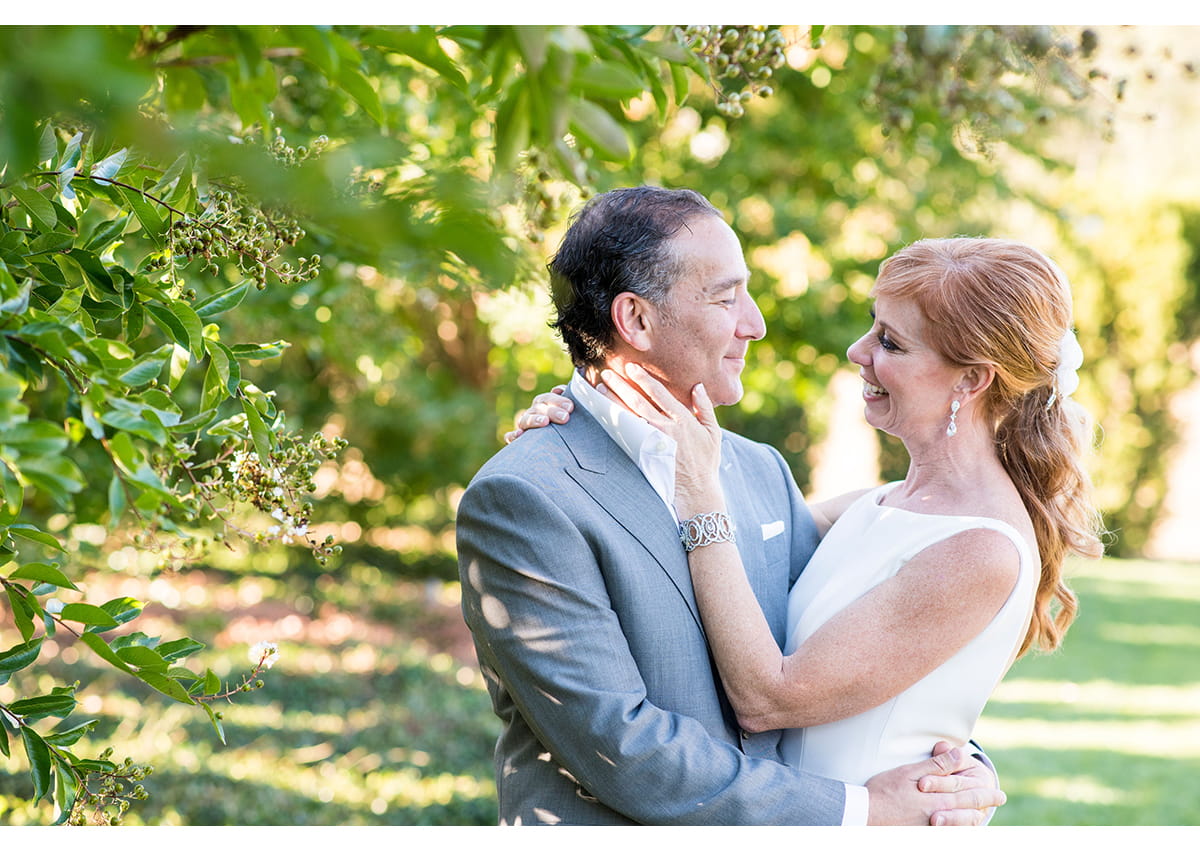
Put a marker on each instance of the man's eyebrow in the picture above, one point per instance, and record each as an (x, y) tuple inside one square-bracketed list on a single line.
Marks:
[(727, 283)]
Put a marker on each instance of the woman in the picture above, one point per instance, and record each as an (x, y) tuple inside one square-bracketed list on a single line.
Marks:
[(923, 591)]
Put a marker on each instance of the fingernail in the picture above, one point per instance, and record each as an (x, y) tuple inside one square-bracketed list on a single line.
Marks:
[(633, 369), (539, 420), (603, 388), (559, 416)]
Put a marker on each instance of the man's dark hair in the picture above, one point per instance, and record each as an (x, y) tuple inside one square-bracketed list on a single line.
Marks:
[(618, 242)]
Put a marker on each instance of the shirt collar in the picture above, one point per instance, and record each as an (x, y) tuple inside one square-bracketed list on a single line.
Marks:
[(650, 449)]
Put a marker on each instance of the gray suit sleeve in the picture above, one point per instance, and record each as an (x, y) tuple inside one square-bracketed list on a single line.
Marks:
[(535, 598)]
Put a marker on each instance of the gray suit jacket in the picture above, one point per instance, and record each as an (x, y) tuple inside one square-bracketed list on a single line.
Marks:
[(577, 592)]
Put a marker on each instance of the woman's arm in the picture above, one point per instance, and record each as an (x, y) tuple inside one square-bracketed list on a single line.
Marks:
[(888, 639), (826, 512)]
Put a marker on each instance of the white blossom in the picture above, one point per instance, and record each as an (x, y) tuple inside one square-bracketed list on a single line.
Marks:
[(264, 653)]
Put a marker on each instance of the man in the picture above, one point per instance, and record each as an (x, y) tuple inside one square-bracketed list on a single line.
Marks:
[(576, 584)]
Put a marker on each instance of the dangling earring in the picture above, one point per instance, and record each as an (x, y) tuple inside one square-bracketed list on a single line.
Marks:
[(952, 429)]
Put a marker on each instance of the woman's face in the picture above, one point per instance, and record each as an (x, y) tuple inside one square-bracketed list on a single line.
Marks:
[(907, 384)]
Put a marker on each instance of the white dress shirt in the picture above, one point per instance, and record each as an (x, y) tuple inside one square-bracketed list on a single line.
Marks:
[(654, 453)]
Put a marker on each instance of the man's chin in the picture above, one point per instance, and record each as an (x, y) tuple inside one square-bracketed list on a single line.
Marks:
[(728, 395)]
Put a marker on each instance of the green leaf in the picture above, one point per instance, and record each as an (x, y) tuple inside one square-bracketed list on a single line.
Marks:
[(179, 648), (171, 688), (222, 301), (420, 44), (216, 722), (259, 351), (116, 500), (23, 613), (122, 610), (170, 323), (57, 477), (146, 369), (86, 613), (229, 372), (101, 649), (39, 762), (34, 439), (44, 573), (596, 127), (66, 738), (132, 417), (109, 166), (32, 533), (607, 79), (147, 214), (359, 88), (144, 658), (180, 359), (47, 143), (19, 302), (258, 430), (72, 152), (44, 706), (37, 205), (66, 789), (512, 127), (20, 656), (52, 241), (212, 683), (192, 326), (106, 233)]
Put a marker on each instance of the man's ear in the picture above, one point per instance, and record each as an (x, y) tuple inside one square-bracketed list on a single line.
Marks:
[(635, 320), (976, 379)]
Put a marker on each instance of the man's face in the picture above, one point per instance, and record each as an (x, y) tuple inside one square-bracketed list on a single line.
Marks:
[(710, 318)]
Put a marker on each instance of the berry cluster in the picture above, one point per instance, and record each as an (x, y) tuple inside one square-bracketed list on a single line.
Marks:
[(546, 201), (276, 487), (955, 69), (118, 785), (231, 228), (284, 153), (741, 61)]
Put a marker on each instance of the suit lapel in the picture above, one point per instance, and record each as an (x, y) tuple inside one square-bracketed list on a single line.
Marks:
[(608, 475)]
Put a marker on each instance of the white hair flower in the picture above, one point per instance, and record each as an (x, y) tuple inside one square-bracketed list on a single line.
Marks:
[(1066, 374)]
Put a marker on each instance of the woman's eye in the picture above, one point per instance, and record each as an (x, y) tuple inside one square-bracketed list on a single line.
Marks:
[(886, 342)]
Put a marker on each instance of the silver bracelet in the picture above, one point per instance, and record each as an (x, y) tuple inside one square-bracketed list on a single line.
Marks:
[(704, 529)]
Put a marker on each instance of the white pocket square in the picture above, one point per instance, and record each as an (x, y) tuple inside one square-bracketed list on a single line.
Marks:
[(770, 530)]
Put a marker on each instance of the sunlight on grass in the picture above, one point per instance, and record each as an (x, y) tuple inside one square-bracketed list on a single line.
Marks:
[(1082, 789), (1103, 696), (1136, 738)]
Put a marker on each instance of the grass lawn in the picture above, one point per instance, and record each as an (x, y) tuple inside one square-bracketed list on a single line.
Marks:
[(1106, 731), (375, 714)]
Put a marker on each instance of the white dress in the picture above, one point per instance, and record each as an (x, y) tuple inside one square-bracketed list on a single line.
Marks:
[(867, 545)]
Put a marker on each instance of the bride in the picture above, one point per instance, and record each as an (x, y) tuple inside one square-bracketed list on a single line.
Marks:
[(924, 591)]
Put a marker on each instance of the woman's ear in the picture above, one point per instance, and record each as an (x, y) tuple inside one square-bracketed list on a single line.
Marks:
[(635, 320), (975, 380)]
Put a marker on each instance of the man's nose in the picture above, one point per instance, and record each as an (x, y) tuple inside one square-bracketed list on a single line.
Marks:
[(751, 325)]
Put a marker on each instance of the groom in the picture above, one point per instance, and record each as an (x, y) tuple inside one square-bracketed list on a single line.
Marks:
[(576, 586)]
